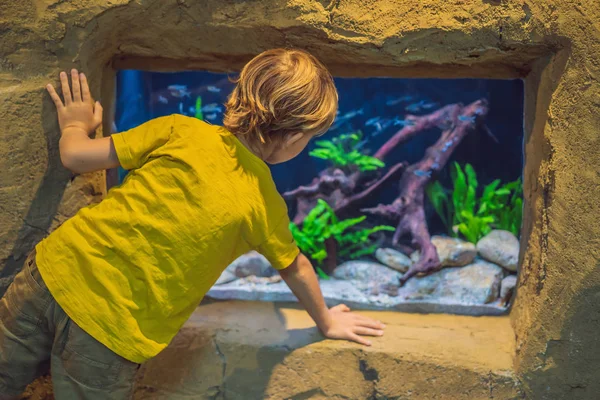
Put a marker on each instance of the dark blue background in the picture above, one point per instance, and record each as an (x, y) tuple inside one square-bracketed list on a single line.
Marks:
[(137, 102)]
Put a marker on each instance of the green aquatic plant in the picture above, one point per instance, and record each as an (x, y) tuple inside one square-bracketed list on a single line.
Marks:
[(342, 151), (505, 204), (198, 113), (321, 224), (462, 212)]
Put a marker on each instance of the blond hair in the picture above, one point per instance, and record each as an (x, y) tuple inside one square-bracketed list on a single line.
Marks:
[(281, 92)]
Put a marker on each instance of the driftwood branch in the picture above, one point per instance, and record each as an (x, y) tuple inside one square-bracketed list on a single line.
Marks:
[(408, 209), (347, 191), (440, 118), (325, 185)]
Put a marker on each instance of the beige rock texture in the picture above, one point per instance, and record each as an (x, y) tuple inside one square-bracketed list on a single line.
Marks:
[(552, 44), (264, 351)]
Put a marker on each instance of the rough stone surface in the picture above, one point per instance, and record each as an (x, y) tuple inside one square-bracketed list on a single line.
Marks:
[(507, 287), (448, 291), (226, 276), (367, 275), (251, 263), (256, 350), (500, 247), (454, 252), (393, 259), (477, 283), (553, 44), (247, 351)]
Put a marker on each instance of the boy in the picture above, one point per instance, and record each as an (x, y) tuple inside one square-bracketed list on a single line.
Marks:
[(110, 288)]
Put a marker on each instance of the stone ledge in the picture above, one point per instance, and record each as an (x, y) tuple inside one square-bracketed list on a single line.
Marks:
[(259, 350), (339, 291)]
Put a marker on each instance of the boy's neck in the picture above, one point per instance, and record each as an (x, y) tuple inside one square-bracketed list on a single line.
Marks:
[(263, 153)]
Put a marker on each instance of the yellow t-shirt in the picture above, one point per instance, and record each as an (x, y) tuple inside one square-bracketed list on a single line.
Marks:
[(131, 269)]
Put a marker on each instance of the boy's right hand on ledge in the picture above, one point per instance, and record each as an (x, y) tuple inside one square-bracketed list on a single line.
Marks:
[(346, 325), (336, 322)]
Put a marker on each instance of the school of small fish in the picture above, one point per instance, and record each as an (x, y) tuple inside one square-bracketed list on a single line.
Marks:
[(420, 106), (339, 121), (179, 91), (378, 124)]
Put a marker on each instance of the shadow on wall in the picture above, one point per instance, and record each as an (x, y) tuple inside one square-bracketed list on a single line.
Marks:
[(569, 366), (45, 203), (208, 359)]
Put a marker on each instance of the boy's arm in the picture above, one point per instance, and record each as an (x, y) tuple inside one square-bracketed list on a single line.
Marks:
[(78, 118), (334, 323)]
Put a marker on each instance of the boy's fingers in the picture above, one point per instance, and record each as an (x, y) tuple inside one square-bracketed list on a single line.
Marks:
[(370, 323), (354, 337), (362, 318), (341, 307), (54, 96), (76, 87), (97, 113), (85, 89), (359, 330), (66, 91)]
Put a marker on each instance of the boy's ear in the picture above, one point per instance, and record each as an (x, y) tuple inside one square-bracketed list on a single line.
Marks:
[(291, 139)]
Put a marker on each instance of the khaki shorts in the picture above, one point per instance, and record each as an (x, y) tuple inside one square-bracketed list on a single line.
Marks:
[(35, 333)]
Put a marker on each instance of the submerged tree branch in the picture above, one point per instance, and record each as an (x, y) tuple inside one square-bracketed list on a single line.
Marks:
[(408, 209)]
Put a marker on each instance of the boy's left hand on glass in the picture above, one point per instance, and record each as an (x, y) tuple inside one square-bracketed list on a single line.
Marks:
[(79, 110), (79, 117)]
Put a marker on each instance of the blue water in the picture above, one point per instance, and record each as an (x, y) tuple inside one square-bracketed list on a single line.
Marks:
[(143, 95)]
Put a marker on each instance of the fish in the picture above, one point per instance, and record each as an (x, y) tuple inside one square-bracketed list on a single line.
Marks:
[(399, 100), (447, 145), (339, 121), (213, 89), (420, 106), (180, 108), (415, 107), (192, 109), (372, 121), (403, 122), (360, 144), (421, 173), (178, 91), (479, 111), (352, 114), (381, 126), (213, 107), (211, 116), (466, 118), (163, 100)]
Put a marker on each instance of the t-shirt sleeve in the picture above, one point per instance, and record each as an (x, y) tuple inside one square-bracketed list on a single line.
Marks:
[(280, 248), (135, 146)]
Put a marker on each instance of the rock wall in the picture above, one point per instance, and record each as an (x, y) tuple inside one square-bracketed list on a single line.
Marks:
[(553, 43)]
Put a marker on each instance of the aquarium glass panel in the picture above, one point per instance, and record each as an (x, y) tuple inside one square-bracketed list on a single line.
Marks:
[(457, 165)]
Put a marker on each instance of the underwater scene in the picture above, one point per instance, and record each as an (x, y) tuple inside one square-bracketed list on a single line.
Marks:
[(411, 201)]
